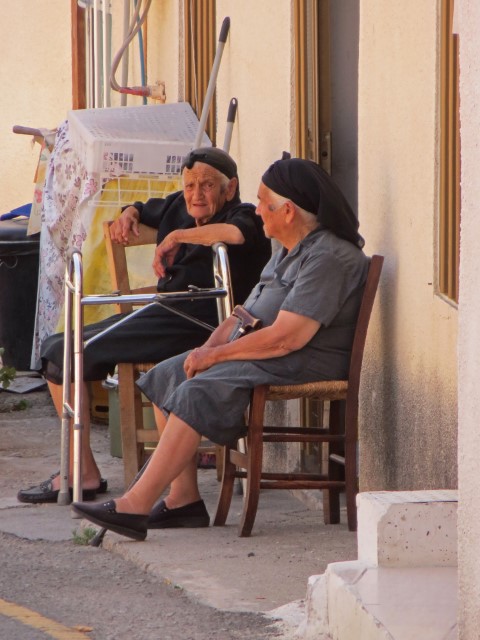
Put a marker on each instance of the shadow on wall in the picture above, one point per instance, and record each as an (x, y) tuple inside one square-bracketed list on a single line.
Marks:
[(407, 407)]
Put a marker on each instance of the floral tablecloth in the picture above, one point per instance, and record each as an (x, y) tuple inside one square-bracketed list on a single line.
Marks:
[(74, 202), (67, 186)]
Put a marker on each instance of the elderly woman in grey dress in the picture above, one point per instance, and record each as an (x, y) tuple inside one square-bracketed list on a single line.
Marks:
[(308, 299)]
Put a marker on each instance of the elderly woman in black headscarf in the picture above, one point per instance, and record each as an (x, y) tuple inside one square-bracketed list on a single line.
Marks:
[(307, 299)]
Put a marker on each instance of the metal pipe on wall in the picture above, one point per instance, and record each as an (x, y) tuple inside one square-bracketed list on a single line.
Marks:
[(126, 28), (88, 56), (96, 56), (106, 49)]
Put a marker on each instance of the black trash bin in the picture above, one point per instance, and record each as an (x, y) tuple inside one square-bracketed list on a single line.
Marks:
[(19, 261)]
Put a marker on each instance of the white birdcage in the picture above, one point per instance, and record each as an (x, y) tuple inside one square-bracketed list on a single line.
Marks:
[(149, 139)]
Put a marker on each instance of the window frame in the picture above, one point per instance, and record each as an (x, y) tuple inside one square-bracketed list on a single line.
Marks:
[(79, 99), (200, 46), (313, 117), (450, 209)]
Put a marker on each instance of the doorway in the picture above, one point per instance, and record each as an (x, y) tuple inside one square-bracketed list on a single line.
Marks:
[(326, 72), (326, 46)]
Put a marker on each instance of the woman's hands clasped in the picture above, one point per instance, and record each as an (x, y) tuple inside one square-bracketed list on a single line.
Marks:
[(198, 360)]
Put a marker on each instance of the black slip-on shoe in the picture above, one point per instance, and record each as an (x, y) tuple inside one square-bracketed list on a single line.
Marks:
[(192, 515), (43, 492), (105, 515)]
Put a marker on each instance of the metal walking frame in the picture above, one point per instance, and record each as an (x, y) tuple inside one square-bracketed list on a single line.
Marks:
[(74, 303)]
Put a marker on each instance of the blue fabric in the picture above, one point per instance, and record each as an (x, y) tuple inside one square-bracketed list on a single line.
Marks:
[(24, 210)]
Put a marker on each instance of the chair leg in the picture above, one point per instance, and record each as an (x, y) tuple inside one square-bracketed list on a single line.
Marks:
[(130, 417), (252, 495), (226, 490), (331, 497), (254, 461), (219, 453)]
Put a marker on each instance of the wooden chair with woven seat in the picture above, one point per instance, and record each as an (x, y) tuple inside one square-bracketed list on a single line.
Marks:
[(134, 436), (341, 435)]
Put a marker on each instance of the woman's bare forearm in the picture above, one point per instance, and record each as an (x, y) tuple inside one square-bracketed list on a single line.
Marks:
[(289, 332), (221, 333), (209, 234)]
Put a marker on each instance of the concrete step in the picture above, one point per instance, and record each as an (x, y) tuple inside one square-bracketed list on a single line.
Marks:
[(352, 601), (403, 585)]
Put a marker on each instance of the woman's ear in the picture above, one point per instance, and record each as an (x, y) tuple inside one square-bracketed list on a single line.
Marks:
[(231, 188), (290, 210)]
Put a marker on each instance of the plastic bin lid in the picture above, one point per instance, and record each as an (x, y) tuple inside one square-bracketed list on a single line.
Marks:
[(14, 239)]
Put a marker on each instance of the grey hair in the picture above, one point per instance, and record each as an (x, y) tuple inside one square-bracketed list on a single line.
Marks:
[(308, 217), (278, 200), (224, 181)]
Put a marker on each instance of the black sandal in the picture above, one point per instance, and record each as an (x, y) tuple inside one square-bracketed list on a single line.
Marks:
[(44, 493)]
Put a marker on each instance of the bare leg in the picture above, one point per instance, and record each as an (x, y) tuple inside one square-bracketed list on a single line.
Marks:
[(160, 419), (90, 472), (184, 488), (172, 462)]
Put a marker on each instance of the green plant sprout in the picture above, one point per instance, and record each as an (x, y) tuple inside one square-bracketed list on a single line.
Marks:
[(7, 374)]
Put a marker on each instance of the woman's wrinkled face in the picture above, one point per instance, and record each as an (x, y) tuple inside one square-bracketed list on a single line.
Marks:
[(269, 209), (204, 191)]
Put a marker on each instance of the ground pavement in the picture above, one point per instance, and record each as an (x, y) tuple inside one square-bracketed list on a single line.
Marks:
[(266, 572)]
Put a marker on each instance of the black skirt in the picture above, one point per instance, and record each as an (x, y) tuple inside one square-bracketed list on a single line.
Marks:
[(153, 336)]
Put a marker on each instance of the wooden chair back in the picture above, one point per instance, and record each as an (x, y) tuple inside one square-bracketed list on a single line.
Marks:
[(340, 436), (118, 265), (134, 435)]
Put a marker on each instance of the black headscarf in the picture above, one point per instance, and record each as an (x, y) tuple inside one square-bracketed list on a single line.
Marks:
[(307, 185), (216, 158)]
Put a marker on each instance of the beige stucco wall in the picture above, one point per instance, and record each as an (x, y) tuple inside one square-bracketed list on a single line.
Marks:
[(408, 415), (408, 419), (36, 76), (469, 323), (35, 80), (165, 44), (256, 69)]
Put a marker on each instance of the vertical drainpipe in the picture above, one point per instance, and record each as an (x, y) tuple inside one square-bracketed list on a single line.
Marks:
[(96, 55), (88, 55), (106, 50), (126, 22)]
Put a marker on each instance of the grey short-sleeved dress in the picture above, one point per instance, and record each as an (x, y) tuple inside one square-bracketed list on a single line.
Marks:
[(321, 278)]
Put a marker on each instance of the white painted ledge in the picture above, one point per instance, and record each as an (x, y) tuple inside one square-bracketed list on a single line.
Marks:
[(404, 584), (407, 528), (382, 603)]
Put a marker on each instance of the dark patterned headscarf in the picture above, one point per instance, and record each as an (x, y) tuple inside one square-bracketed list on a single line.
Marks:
[(216, 158), (307, 185)]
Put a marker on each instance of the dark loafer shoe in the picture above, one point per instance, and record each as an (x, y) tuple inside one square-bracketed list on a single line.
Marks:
[(105, 515), (43, 492), (194, 514)]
